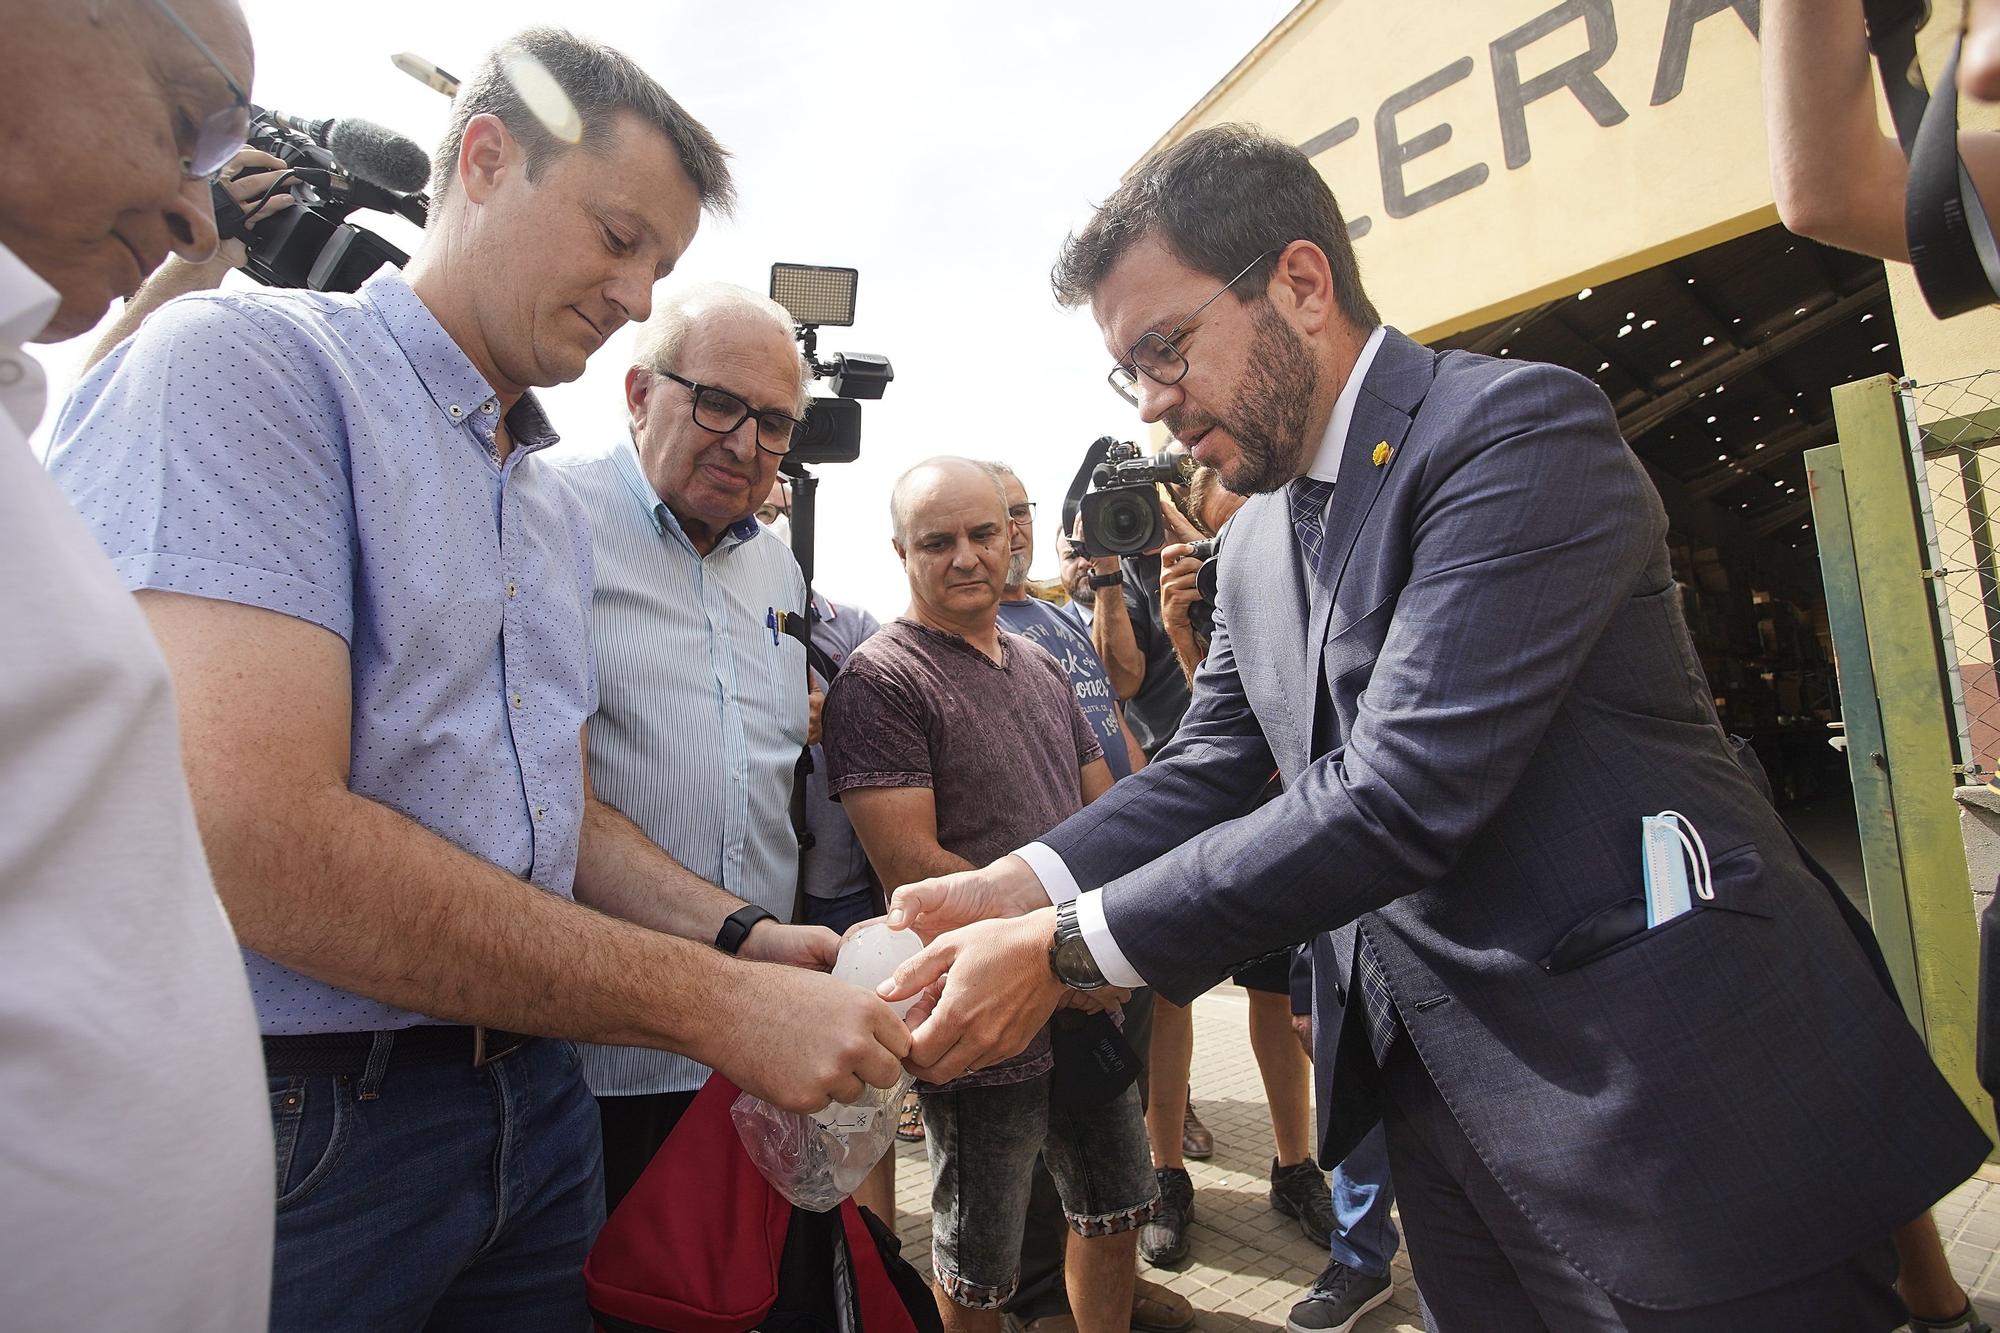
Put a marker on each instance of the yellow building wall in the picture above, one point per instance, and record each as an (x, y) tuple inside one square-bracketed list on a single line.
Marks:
[(1481, 197)]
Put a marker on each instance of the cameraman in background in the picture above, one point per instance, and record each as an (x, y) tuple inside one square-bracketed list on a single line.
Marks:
[(1206, 504), (250, 179), (1118, 600), (1125, 630)]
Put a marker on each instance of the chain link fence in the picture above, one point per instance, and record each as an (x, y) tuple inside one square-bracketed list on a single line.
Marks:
[(1954, 430)]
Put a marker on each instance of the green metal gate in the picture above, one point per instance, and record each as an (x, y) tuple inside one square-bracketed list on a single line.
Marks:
[(1901, 512)]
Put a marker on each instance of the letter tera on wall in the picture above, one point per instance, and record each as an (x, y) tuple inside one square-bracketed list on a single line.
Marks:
[(1513, 95)]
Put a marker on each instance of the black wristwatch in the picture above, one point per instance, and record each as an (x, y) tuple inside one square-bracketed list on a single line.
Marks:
[(737, 926), (1069, 956), (1112, 580)]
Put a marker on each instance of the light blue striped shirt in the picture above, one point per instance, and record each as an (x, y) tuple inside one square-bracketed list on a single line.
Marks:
[(701, 714)]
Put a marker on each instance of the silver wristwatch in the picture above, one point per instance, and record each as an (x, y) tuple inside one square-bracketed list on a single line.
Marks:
[(1069, 956)]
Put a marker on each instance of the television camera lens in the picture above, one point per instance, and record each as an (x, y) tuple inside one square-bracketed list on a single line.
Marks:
[(1122, 522)]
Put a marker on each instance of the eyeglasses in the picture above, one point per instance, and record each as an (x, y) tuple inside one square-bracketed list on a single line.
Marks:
[(1069, 550), (1157, 356), (1023, 513), (769, 514), (221, 134), (721, 411)]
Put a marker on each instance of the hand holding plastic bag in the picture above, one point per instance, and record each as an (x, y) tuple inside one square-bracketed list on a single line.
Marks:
[(817, 1160)]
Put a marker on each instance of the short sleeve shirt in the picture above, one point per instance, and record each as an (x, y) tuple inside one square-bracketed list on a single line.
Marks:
[(330, 457), (1056, 634), (1001, 745), (701, 708), (1155, 712), (835, 866)]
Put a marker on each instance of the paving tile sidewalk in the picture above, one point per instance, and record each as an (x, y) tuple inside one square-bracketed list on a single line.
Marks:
[(1248, 1265)]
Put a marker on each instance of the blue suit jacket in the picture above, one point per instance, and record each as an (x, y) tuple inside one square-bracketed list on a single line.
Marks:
[(1501, 683)]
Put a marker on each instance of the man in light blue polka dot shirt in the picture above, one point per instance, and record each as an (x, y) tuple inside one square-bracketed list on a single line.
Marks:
[(374, 592)]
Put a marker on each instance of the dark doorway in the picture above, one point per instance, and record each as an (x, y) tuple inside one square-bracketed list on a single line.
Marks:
[(1719, 365)]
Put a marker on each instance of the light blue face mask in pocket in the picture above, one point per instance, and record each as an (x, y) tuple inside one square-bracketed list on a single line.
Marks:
[(1669, 848)]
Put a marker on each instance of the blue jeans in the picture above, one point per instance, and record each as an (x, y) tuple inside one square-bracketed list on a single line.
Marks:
[(453, 1198), (1364, 1236), (837, 914)]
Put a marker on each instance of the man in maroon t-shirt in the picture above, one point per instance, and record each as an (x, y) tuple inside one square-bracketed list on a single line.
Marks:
[(951, 742)]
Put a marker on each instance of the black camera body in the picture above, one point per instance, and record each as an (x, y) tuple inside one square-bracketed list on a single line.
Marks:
[(831, 432), (1121, 512), (312, 245), (1201, 615)]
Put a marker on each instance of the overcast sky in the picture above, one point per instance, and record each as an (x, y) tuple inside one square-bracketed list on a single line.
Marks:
[(943, 149)]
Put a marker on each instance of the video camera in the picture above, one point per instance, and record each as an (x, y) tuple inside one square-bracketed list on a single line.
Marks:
[(333, 168), (1121, 511), (1952, 245), (815, 295)]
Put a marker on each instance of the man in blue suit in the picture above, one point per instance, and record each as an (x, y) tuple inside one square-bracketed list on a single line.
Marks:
[(1446, 618)]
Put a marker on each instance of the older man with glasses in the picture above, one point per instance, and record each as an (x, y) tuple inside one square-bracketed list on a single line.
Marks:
[(136, 1167), (702, 709)]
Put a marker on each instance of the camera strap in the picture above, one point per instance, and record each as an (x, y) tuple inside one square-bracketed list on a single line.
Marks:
[(1950, 238), (231, 223), (1098, 450)]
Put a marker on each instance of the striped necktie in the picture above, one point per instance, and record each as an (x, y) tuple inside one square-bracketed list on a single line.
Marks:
[(1309, 497)]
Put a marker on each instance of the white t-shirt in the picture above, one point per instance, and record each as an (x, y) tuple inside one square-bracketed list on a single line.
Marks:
[(136, 1172)]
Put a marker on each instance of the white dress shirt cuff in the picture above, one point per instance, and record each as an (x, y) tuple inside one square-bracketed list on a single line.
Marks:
[(1057, 882), (1061, 886), (1104, 950)]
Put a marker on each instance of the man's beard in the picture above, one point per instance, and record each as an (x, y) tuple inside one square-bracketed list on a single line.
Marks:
[(1272, 410), (1083, 594), (1017, 572)]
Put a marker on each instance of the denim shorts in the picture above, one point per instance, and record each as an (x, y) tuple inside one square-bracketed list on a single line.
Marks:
[(983, 1142)]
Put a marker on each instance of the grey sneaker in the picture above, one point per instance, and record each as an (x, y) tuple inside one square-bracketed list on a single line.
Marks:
[(1164, 1240), (1302, 1192), (1338, 1298)]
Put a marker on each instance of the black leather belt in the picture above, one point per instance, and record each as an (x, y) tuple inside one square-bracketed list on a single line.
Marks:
[(348, 1052)]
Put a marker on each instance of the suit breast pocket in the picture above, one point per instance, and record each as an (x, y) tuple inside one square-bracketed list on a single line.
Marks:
[(1612, 929)]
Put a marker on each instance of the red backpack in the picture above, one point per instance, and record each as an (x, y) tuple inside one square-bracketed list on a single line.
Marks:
[(704, 1244)]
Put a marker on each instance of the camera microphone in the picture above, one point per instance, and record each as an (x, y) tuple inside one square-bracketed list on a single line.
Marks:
[(378, 156), (316, 130), (366, 150)]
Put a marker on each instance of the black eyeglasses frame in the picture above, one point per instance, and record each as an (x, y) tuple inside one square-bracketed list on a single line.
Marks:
[(1124, 377), (696, 390)]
